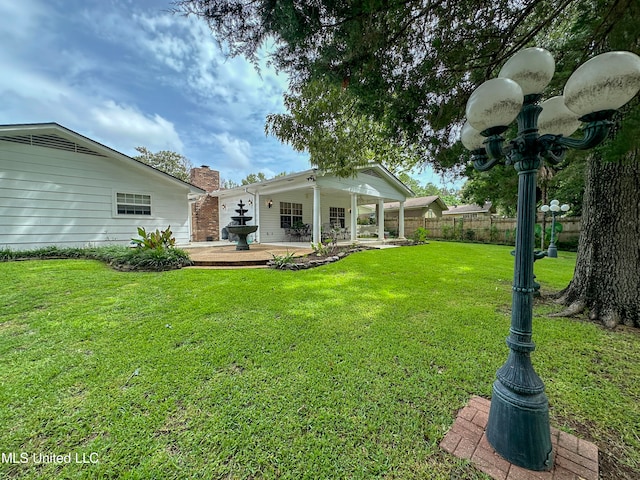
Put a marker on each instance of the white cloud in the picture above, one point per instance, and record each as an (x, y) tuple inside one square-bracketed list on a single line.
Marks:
[(125, 125), (237, 151), (127, 74)]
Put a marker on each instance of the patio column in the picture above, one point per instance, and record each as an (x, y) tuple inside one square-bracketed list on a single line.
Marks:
[(256, 215), (316, 214), (354, 217), (381, 219), (401, 221)]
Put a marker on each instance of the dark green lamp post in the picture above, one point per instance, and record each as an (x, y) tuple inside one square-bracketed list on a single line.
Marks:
[(554, 207), (518, 426)]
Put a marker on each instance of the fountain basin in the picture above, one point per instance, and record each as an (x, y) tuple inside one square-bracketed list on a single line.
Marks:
[(242, 231)]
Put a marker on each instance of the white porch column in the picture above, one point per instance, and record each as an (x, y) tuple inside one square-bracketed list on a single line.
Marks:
[(316, 214), (256, 218), (354, 217), (381, 219), (401, 221)]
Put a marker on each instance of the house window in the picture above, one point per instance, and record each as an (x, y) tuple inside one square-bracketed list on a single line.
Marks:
[(290, 214), (133, 204), (336, 216)]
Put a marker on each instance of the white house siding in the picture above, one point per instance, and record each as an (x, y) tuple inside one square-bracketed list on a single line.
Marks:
[(269, 222), (54, 197)]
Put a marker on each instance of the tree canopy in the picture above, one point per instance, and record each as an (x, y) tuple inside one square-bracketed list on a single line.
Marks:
[(169, 162), (249, 179), (402, 69)]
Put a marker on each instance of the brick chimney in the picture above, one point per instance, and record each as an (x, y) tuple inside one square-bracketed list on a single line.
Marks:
[(205, 215), (205, 178)]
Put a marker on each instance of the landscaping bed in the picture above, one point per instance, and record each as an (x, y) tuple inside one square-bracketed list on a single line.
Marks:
[(324, 256)]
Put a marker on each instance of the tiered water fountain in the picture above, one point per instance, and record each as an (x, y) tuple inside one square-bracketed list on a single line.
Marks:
[(241, 229)]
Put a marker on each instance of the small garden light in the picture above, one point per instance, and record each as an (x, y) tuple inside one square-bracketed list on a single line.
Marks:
[(518, 426)]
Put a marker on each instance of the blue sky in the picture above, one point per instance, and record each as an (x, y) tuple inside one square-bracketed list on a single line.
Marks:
[(128, 73)]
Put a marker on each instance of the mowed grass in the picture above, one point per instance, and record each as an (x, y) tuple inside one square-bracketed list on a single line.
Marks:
[(352, 370)]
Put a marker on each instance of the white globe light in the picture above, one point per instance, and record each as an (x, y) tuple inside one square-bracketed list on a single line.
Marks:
[(565, 208), (556, 118), (555, 202), (606, 82), (554, 208), (495, 103), (544, 208), (471, 138), (532, 68)]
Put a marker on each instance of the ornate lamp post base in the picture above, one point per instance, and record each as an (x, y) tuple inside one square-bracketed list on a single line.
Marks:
[(518, 428)]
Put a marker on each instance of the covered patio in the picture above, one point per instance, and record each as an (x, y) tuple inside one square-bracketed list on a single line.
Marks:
[(308, 205)]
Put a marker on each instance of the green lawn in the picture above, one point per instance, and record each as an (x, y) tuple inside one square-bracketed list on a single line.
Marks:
[(352, 370)]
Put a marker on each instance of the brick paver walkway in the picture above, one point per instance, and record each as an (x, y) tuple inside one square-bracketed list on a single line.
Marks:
[(574, 458)]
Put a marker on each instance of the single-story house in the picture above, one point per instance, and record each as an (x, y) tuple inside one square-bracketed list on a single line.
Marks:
[(58, 187), (418, 207), (313, 198), (470, 211)]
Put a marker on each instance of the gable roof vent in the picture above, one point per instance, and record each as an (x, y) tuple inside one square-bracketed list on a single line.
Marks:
[(372, 172), (51, 141)]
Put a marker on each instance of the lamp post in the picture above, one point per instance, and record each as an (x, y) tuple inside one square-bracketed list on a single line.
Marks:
[(518, 426), (554, 207)]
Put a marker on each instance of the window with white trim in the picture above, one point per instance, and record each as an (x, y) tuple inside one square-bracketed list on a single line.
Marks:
[(336, 216), (290, 214), (133, 204)]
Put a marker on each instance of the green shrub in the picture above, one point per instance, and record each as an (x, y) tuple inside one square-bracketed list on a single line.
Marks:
[(117, 256), (281, 261), (494, 234), (420, 235), (157, 240), (321, 249), (152, 259)]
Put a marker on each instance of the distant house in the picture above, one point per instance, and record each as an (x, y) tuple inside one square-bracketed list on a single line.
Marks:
[(58, 187), (420, 207), (470, 211)]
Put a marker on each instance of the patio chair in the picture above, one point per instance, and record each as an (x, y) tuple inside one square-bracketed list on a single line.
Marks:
[(305, 233)]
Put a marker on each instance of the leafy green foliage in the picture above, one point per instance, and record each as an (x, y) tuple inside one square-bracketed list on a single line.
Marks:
[(547, 231), (249, 179), (281, 261), (173, 163), (403, 70), (420, 235), (500, 184), (157, 240), (322, 120), (321, 249), (118, 257)]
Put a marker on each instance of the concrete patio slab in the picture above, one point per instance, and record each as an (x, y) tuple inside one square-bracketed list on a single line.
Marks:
[(224, 254)]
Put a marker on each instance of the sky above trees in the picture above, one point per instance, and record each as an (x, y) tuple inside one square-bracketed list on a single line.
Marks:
[(131, 74)]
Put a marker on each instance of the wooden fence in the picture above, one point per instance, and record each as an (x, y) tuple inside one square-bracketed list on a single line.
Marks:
[(481, 229)]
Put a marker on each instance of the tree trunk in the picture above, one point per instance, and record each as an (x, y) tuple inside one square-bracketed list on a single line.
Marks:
[(607, 273)]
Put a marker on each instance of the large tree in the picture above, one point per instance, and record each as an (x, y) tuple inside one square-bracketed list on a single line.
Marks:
[(408, 67), (169, 162), (606, 281)]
